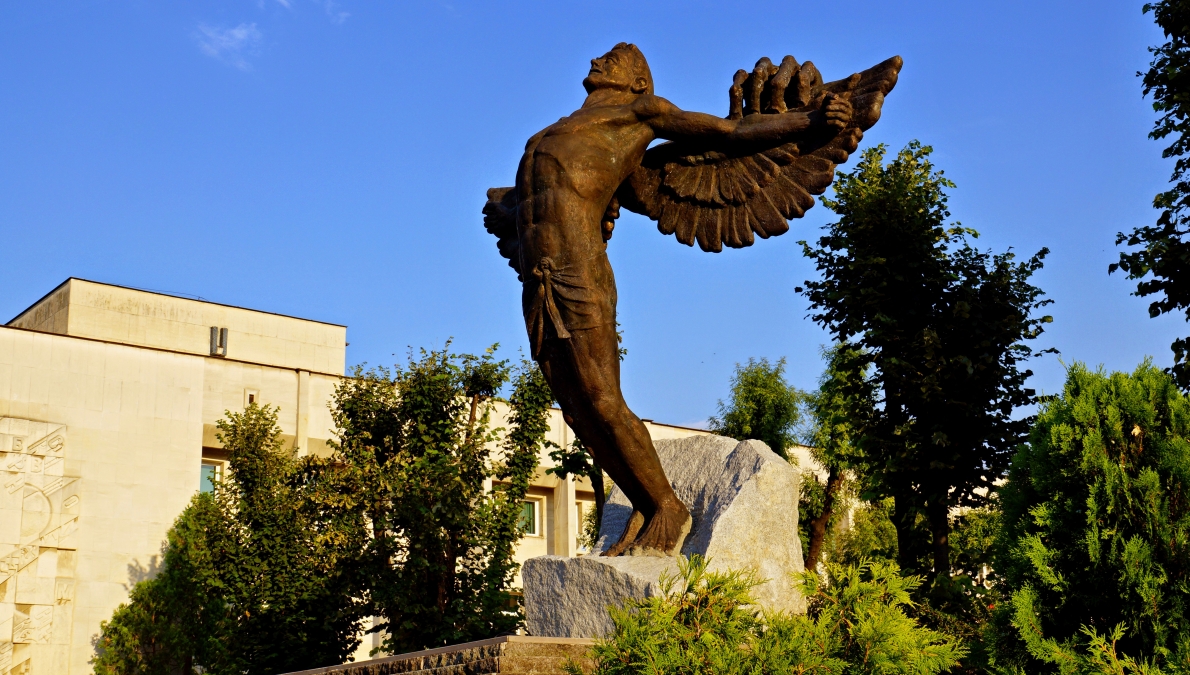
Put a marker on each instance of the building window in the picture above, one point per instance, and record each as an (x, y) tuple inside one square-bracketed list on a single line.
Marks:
[(211, 472), (528, 519), (251, 396)]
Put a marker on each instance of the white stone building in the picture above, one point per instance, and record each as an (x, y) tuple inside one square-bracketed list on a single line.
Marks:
[(108, 402)]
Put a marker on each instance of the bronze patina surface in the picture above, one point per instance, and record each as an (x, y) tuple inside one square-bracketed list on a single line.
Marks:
[(719, 181)]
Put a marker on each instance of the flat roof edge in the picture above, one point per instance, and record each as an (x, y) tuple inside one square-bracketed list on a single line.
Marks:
[(38, 301), (173, 351), (168, 295)]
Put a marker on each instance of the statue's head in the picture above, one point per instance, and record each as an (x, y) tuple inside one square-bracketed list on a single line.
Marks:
[(623, 68)]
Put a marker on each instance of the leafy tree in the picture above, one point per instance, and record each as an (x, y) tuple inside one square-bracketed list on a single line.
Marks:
[(1165, 250), (763, 406), (252, 579), (943, 327), (169, 625), (703, 623), (1096, 523), (416, 450), (577, 460), (871, 536), (839, 411)]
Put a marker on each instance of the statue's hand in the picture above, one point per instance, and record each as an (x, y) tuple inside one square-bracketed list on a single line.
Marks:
[(835, 112)]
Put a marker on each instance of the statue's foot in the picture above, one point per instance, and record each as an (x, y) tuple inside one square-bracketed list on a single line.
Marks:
[(635, 522), (665, 533)]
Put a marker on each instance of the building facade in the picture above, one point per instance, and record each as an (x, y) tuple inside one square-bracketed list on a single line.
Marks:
[(109, 397)]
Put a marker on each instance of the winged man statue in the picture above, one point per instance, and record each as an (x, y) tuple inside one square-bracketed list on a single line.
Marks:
[(718, 181)]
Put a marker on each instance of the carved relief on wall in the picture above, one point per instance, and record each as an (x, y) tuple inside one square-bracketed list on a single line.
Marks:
[(39, 508)]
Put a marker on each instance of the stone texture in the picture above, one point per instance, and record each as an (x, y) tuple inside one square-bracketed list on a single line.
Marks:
[(743, 499), (517, 654)]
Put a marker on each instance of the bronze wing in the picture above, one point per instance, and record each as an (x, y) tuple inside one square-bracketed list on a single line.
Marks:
[(499, 219), (725, 195)]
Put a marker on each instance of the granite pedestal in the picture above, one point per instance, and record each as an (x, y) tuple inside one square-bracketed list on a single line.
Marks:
[(744, 502)]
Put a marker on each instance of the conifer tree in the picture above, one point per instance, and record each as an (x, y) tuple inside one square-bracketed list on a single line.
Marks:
[(704, 622), (1096, 524)]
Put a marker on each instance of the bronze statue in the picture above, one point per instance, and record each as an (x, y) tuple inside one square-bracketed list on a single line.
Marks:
[(718, 181)]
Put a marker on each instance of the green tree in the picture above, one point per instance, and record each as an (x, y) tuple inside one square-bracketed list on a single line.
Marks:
[(1096, 523), (870, 536), (171, 623), (838, 413), (251, 579), (943, 327), (1165, 250), (577, 461), (416, 448), (763, 406)]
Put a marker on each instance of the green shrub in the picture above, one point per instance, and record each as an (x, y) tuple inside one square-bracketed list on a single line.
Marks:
[(704, 622), (1096, 532)]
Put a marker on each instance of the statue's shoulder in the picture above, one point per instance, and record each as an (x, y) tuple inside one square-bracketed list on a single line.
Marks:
[(649, 105)]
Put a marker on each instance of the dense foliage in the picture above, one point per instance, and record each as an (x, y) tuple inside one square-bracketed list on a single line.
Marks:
[(415, 460), (1164, 249), (1096, 523), (704, 623), (837, 413), (275, 571), (763, 406), (252, 577), (943, 327)]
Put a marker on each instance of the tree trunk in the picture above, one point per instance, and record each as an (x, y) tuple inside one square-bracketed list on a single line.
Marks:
[(939, 516), (446, 581), (903, 517), (818, 525), (474, 414)]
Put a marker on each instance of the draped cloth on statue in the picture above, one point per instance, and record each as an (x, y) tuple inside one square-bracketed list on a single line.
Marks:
[(560, 298)]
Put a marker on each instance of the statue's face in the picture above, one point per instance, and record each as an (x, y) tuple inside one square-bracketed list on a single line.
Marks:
[(613, 70)]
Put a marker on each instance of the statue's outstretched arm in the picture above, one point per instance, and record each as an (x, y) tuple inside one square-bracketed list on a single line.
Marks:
[(722, 182), (672, 123)]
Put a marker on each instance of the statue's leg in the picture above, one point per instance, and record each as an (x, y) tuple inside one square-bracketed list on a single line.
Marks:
[(584, 373)]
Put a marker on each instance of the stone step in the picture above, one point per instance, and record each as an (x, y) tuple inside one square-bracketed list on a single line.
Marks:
[(512, 654)]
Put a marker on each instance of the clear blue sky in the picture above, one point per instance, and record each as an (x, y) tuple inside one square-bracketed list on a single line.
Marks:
[(328, 159)]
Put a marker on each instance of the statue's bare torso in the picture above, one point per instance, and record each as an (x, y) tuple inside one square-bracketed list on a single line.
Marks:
[(568, 175)]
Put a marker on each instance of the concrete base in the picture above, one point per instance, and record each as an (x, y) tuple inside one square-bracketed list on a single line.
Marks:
[(514, 654)]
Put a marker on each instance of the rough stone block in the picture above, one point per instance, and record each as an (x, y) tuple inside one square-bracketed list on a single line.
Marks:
[(743, 499)]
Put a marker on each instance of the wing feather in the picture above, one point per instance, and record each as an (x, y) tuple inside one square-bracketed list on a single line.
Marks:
[(687, 221), (499, 219), (668, 222), (768, 221), (790, 199), (709, 237), (727, 196)]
